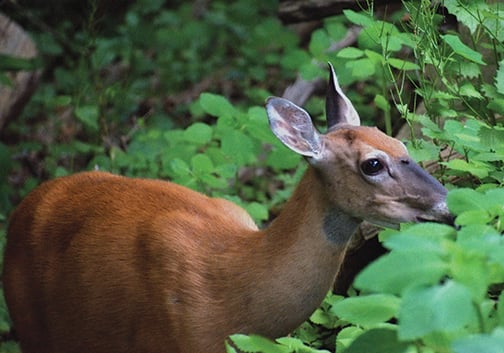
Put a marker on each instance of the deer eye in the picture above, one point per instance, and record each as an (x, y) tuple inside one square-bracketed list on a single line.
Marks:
[(372, 166)]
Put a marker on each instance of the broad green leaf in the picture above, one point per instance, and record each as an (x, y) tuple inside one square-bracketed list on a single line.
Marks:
[(257, 211), (378, 340), (358, 18), (216, 105), (467, 12), (201, 164), (361, 68), (350, 53), (469, 69), (319, 43), (226, 170), (88, 115), (282, 158), (463, 199), (311, 70), (257, 125), (298, 346), (428, 237), (491, 137), (367, 311), (336, 29), (463, 50), (256, 344), (238, 146), (16, 63), (476, 168), (346, 336), (180, 167), (213, 181), (380, 35), (470, 257), (446, 308), (481, 343), (468, 90), (423, 151), (382, 103), (293, 59), (399, 270), (198, 133), (474, 217), (402, 64)]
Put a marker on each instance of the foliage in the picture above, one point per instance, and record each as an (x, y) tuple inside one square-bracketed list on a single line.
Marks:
[(439, 288)]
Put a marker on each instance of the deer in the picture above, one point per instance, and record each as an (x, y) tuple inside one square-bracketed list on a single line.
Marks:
[(100, 263)]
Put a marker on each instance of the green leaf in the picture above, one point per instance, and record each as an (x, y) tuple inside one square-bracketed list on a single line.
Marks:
[(463, 50), (380, 36), (395, 272), (15, 63), (499, 78), (367, 311), (257, 344), (444, 308), (474, 217), (319, 43), (463, 199), (298, 346), (335, 28), (491, 137), (201, 164), (468, 90), (350, 53), (382, 103), (361, 68), (257, 211), (423, 237), (469, 69), (346, 336), (293, 59), (402, 64), (198, 133), (180, 167), (88, 115), (476, 168), (358, 18), (484, 343), (283, 158), (216, 105), (238, 146), (423, 150), (378, 340), (467, 12)]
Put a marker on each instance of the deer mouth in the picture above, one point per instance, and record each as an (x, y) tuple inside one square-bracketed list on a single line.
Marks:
[(448, 219)]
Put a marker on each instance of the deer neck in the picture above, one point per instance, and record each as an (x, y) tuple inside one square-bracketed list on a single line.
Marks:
[(307, 243), (310, 219)]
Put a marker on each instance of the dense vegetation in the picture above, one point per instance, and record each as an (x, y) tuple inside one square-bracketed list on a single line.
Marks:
[(176, 92)]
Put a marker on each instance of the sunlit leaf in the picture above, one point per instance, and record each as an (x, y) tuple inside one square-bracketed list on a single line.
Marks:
[(463, 50), (446, 307), (367, 311)]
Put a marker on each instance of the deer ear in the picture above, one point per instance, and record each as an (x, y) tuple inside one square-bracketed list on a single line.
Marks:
[(293, 126), (339, 109)]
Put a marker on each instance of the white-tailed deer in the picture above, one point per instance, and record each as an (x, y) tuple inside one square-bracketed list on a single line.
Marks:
[(98, 263)]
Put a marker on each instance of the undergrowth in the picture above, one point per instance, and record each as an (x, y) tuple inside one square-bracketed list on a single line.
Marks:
[(123, 105)]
